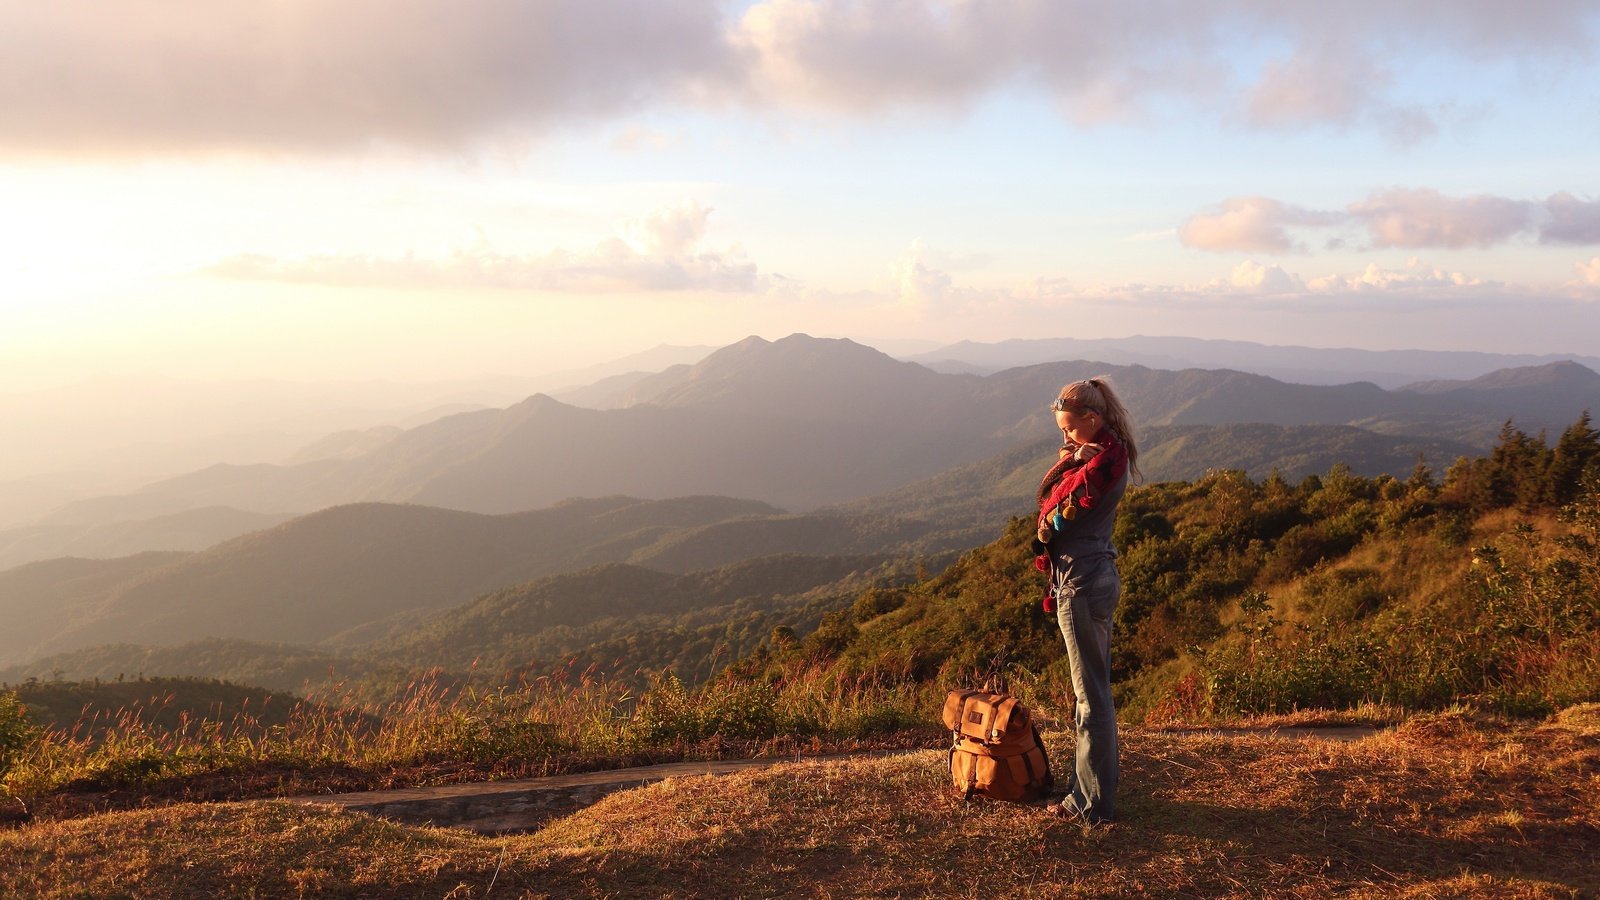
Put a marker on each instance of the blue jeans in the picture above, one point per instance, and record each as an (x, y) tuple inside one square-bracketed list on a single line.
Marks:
[(1086, 596)]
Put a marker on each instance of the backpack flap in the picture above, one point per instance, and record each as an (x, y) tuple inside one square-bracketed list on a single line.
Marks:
[(983, 715)]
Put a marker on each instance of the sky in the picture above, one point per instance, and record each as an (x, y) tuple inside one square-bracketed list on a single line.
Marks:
[(434, 189)]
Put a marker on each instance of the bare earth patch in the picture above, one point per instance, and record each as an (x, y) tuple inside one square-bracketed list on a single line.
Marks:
[(1446, 805)]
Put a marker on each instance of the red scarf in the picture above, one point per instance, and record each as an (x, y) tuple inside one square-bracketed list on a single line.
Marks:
[(1083, 482)]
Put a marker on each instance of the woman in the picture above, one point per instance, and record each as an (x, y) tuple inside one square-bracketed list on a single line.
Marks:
[(1077, 508)]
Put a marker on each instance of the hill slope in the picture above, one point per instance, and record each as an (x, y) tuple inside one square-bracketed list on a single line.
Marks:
[(554, 617), (38, 598), (164, 704), (277, 667), (317, 576), (190, 529)]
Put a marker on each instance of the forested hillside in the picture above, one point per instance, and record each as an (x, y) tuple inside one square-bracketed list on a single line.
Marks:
[(98, 707), (338, 575), (552, 619), (1253, 596), (279, 667)]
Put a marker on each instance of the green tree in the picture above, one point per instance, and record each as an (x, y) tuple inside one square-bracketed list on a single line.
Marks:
[(1576, 452)]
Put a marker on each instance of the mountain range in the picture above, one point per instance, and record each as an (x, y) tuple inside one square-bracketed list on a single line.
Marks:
[(804, 423), (1303, 365)]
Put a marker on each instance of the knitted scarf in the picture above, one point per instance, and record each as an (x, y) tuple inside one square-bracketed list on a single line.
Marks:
[(1083, 481)]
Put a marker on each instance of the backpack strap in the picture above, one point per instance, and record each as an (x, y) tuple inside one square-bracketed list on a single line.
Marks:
[(972, 778), (1048, 780)]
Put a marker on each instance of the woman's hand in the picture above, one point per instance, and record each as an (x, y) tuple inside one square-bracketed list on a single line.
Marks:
[(1086, 452)]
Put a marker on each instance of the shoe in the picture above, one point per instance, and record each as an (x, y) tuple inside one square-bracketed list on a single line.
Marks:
[(1068, 808), (1064, 808)]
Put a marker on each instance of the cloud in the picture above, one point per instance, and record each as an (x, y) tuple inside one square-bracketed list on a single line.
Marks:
[(1408, 218), (167, 76), (918, 285), (298, 75), (654, 253), (1415, 275), (1250, 224), (1252, 277), (1425, 218), (1110, 60), (1315, 85), (669, 233), (1571, 220), (1588, 272), (1339, 84)]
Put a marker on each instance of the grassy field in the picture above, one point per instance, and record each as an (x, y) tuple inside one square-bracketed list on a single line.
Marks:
[(1451, 804)]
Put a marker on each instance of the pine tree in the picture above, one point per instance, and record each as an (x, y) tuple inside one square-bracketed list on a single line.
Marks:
[(1577, 450)]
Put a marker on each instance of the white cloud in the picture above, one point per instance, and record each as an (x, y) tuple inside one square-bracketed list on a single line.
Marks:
[(668, 233), (918, 285), (1252, 277), (1336, 82), (1410, 218), (1588, 272), (1425, 218), (1416, 274), (1571, 220), (1315, 85), (1250, 224), (657, 252)]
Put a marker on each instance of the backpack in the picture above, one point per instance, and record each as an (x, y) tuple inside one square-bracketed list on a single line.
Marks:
[(995, 749)]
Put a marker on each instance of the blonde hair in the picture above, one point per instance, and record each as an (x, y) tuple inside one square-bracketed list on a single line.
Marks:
[(1095, 395)]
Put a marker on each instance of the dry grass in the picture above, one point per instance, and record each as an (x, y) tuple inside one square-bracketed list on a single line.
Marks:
[(1445, 805), (434, 733)]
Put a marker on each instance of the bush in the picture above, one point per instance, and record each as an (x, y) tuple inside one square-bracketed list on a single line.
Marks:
[(875, 602), (1342, 595), (16, 730), (669, 713), (1265, 667)]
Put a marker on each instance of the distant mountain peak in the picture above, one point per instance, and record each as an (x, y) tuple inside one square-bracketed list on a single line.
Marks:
[(539, 404), (796, 352), (1562, 373)]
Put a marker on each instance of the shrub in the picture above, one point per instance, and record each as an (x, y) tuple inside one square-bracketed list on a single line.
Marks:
[(670, 713), (1342, 595), (874, 602), (1266, 667), (16, 730)]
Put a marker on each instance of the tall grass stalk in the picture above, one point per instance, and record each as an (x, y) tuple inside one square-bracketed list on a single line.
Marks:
[(437, 720)]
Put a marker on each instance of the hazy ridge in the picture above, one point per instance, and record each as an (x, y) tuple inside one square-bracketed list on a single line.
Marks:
[(770, 421)]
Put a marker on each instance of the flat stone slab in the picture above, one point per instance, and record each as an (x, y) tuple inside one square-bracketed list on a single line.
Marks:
[(506, 807)]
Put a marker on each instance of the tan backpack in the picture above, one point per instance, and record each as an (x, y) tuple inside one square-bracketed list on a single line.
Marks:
[(995, 749)]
